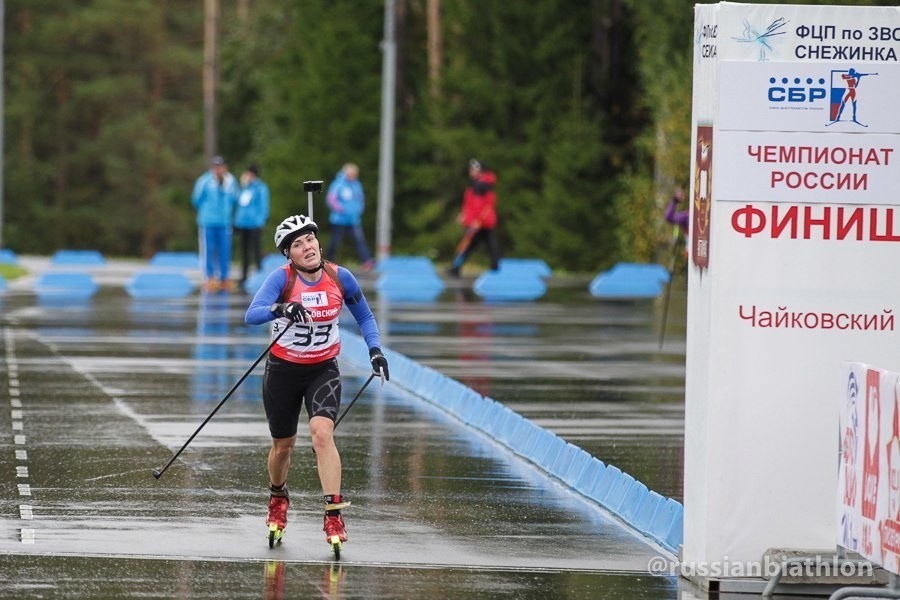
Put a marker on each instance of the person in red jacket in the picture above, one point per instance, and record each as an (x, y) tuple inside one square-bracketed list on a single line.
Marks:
[(478, 216)]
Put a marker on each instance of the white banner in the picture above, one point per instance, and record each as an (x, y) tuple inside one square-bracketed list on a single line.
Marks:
[(850, 97), (799, 33), (795, 233), (807, 167)]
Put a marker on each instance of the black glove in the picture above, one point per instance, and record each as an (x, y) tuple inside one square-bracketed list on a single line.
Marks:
[(379, 363), (295, 312)]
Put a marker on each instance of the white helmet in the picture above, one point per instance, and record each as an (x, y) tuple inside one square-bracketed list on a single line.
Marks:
[(290, 228)]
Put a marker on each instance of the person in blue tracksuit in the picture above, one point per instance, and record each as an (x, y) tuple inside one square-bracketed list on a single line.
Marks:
[(214, 196), (249, 219), (346, 202)]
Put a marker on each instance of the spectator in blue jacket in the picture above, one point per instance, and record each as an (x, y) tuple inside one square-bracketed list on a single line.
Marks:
[(215, 194), (250, 218), (346, 202)]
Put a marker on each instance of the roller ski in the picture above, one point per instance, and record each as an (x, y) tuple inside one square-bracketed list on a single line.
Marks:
[(335, 531), (279, 501)]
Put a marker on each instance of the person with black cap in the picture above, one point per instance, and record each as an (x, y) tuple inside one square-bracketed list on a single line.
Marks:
[(305, 298), (214, 196), (249, 219), (478, 216)]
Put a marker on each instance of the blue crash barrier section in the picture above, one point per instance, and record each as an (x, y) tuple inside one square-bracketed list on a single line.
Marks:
[(516, 279), (646, 512), (165, 278), (2, 284), (65, 286), (8, 257), (150, 284), (176, 260), (513, 285), (525, 266), (401, 264), (408, 279), (270, 262), (81, 258), (630, 281), (254, 282)]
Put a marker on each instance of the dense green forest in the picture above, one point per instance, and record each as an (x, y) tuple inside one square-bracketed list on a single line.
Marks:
[(582, 108)]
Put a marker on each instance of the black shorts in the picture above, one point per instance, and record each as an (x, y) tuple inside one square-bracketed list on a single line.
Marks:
[(288, 386)]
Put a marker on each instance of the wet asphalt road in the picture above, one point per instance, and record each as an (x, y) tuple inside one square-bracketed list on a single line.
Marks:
[(101, 392)]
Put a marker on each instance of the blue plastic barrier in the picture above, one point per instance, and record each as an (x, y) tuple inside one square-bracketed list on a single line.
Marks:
[(8, 257), (525, 266), (491, 416), (636, 496), (405, 265), (469, 406), (410, 285), (65, 286), (590, 475), (675, 535), (664, 519), (529, 440), (272, 261), (156, 284), (560, 466), (630, 281), (254, 282), (554, 446), (495, 426), (578, 464), (509, 286), (647, 511), (511, 425), (178, 260), (616, 496), (78, 257), (606, 483)]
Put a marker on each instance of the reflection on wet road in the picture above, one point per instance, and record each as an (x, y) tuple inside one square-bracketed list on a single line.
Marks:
[(100, 393)]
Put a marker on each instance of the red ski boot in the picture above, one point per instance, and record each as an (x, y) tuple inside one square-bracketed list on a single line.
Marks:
[(335, 533), (277, 519)]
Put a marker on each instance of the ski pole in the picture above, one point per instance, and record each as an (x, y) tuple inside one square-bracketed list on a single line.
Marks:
[(349, 406), (662, 330), (463, 245), (157, 472), (355, 398)]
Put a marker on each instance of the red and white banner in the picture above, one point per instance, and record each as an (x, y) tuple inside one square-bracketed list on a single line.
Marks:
[(807, 167), (868, 495)]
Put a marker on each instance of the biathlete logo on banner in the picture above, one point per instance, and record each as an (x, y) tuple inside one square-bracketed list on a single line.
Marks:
[(810, 93), (844, 86)]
